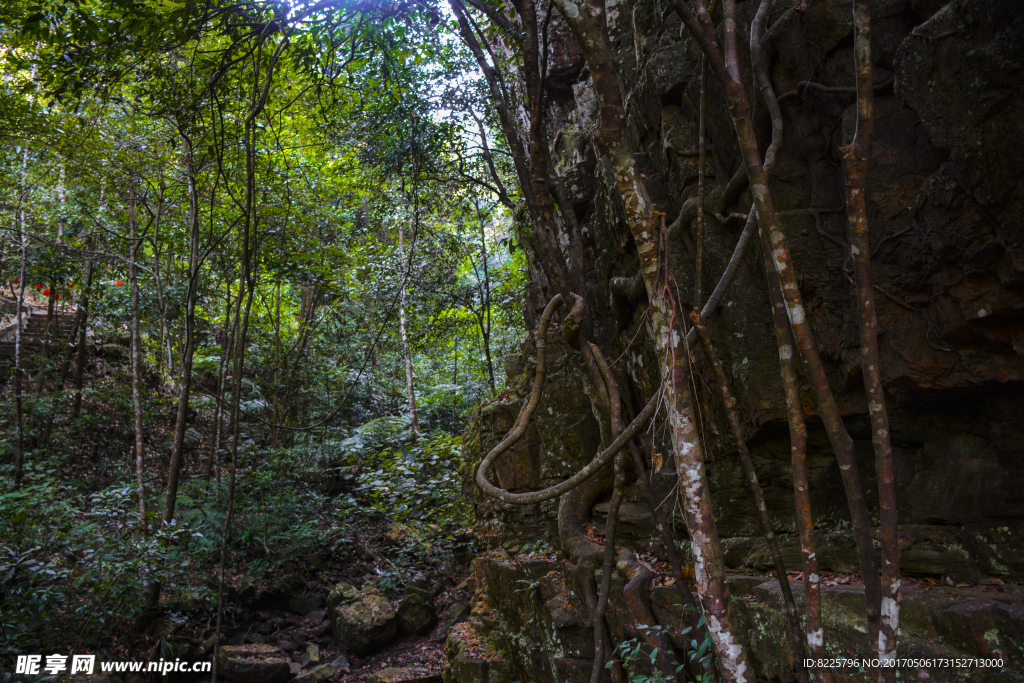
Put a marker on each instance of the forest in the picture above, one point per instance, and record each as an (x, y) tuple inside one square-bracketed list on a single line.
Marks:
[(487, 341)]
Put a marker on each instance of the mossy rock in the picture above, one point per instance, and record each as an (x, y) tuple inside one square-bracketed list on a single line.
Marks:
[(342, 594), (363, 624)]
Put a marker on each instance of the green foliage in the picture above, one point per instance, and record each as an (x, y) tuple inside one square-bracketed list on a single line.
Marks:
[(141, 111), (633, 655), (410, 480)]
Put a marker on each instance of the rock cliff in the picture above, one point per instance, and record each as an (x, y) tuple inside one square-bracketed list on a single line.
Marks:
[(946, 200)]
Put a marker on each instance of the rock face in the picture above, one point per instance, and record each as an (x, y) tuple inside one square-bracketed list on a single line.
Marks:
[(948, 238), (946, 201), (362, 621), (253, 664)]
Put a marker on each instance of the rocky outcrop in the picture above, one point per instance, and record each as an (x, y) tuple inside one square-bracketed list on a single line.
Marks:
[(946, 200), (530, 624)]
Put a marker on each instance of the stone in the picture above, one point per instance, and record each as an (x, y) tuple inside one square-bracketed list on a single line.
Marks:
[(341, 663), (362, 621), (316, 674), (304, 603), (416, 616), (466, 668), (295, 668), (192, 439), (208, 645), (423, 586), (991, 630), (456, 613), (253, 664), (311, 656)]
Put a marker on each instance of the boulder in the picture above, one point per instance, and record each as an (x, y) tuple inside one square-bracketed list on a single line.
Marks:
[(362, 621), (416, 616), (392, 674), (253, 664), (341, 663), (423, 586)]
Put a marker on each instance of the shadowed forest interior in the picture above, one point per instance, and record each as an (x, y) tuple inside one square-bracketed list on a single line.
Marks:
[(510, 342)]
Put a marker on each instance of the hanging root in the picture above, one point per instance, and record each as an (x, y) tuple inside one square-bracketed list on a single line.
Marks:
[(606, 570), (660, 515), (581, 490), (639, 577)]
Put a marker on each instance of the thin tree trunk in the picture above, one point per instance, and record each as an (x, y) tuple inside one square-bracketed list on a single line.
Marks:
[(725, 66), (218, 421), (698, 281), (19, 417), (136, 354), (801, 481), (406, 352), (486, 303), (857, 161), (83, 312), (277, 366), (162, 345), (185, 385), (247, 285), (795, 630)]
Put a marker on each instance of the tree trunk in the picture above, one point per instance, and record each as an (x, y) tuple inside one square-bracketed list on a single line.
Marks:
[(136, 353), (222, 364), (857, 163), (185, 384), (667, 334), (406, 352), (83, 312), (19, 417), (485, 329)]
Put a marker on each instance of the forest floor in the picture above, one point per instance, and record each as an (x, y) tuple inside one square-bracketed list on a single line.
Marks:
[(297, 529)]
